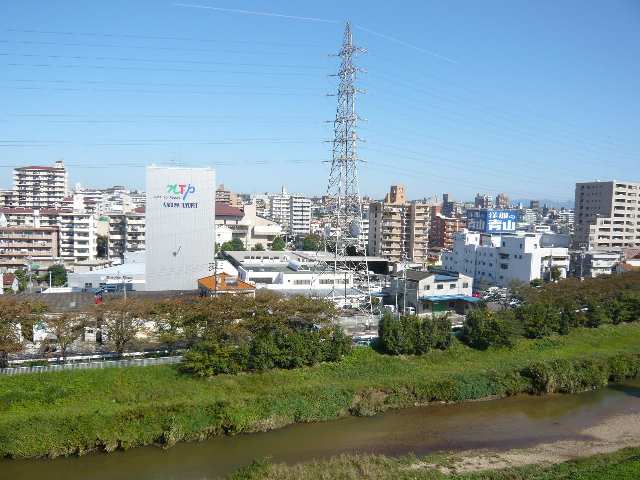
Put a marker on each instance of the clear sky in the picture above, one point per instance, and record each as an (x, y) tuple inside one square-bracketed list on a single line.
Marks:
[(525, 97)]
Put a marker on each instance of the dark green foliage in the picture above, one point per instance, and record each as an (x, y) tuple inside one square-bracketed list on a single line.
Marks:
[(413, 335), (58, 275), (210, 358), (483, 329), (597, 314), (234, 245), (311, 243), (278, 244), (539, 319)]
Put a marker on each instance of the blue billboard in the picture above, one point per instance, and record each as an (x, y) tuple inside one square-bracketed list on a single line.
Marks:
[(491, 221)]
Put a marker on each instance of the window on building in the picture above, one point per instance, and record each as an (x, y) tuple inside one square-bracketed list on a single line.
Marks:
[(440, 286), (465, 285), (504, 266), (452, 285)]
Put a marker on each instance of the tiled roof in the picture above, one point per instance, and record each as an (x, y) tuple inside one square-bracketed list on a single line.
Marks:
[(7, 279), (224, 210)]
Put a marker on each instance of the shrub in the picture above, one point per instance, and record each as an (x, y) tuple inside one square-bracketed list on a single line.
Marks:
[(413, 335), (539, 320), (483, 328)]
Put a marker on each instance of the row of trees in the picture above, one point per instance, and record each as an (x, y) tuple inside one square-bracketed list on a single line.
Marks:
[(223, 334), (552, 309), (413, 335), (236, 245)]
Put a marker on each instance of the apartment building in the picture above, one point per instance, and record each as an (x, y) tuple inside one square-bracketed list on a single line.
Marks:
[(77, 230), (443, 229), (245, 225), (399, 229), (502, 200), (499, 259), (40, 186), (227, 197), (22, 246), (291, 211), (126, 233), (607, 214)]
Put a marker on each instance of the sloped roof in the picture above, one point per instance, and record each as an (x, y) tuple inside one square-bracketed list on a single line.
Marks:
[(225, 283), (225, 210)]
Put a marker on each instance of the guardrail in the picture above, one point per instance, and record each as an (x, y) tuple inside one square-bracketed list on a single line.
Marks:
[(138, 362)]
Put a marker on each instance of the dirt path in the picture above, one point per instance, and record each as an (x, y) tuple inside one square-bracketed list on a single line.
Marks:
[(613, 434)]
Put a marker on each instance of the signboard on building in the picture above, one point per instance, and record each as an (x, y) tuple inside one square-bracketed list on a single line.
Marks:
[(491, 221), (180, 223)]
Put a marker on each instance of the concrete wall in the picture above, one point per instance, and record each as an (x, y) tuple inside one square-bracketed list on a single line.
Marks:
[(180, 226)]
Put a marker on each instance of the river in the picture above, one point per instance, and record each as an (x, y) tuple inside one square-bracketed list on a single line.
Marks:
[(501, 424)]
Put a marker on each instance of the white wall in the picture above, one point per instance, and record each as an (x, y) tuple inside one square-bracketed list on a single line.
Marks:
[(180, 231)]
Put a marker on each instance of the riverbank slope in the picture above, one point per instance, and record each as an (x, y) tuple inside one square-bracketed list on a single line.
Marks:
[(75, 412)]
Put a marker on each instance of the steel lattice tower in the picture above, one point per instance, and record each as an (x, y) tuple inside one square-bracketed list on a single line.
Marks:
[(343, 202), (343, 195)]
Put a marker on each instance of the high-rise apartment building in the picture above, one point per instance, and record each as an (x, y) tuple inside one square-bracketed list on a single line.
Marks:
[(126, 233), (443, 229), (40, 186), (502, 200), (483, 201), (398, 229), (607, 214), (227, 197), (291, 211), (22, 246)]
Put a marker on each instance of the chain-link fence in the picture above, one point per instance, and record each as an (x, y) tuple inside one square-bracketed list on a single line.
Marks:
[(138, 362)]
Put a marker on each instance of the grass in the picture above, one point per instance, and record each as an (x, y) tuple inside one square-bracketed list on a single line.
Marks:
[(621, 465), (72, 412)]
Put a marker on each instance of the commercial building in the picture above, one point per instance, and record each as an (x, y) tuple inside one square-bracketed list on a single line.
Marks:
[(39, 186), (180, 228), (129, 276), (432, 292), (499, 259), (399, 229), (488, 220), (607, 214)]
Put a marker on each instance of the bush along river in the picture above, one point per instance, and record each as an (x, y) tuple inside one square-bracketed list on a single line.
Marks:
[(516, 422)]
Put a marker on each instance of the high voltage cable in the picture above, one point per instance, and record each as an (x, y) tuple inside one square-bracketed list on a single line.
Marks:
[(147, 69), (158, 61), (145, 47), (157, 37), (158, 92)]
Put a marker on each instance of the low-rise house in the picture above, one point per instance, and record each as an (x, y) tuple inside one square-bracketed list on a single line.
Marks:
[(224, 284)]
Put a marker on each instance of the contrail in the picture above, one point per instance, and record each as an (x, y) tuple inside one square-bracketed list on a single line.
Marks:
[(406, 44), (251, 12)]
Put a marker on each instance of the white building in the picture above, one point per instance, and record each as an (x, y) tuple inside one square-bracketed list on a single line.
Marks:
[(180, 226), (432, 292), (130, 276), (40, 186), (607, 214), (291, 211), (593, 263), (126, 233), (494, 259), (245, 225)]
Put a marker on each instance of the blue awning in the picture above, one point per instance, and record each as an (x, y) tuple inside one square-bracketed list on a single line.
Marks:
[(449, 298)]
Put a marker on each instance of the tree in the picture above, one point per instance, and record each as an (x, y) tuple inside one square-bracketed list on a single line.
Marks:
[(555, 274), (103, 246), (539, 319), (233, 245), (259, 247), (58, 275), (122, 320), (484, 328), (16, 321), (311, 243), (67, 328), (278, 244), (23, 279)]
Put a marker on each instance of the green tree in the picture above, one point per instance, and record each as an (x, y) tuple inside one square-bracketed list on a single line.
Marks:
[(233, 245), (16, 321), (278, 244), (122, 320), (555, 274), (539, 320), (311, 243), (23, 279), (103, 246), (259, 247), (484, 328), (58, 275), (67, 327)]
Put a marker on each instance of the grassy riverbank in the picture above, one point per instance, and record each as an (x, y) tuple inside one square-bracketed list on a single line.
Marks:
[(74, 412), (621, 465)]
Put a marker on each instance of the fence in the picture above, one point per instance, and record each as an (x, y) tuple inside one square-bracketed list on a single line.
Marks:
[(138, 362)]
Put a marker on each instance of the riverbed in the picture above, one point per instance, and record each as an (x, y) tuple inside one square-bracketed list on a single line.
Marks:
[(498, 425)]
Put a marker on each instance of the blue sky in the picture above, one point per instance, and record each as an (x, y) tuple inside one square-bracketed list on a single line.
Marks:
[(462, 96)]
